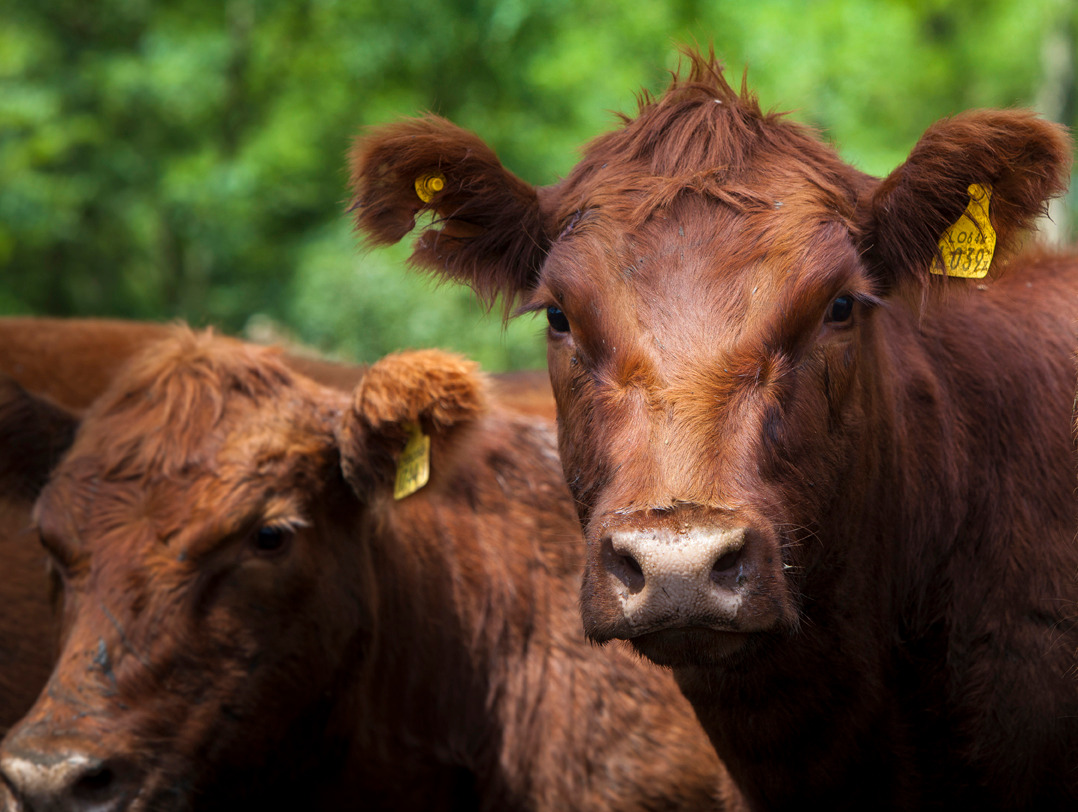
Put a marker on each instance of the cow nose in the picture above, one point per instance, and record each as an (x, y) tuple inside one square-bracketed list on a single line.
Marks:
[(67, 782), (677, 577)]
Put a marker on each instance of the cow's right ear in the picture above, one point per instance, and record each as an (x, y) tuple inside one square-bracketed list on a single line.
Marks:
[(408, 405), (34, 434), (488, 227)]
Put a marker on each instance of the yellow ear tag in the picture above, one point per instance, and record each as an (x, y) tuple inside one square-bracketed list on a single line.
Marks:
[(413, 468), (427, 186), (968, 245)]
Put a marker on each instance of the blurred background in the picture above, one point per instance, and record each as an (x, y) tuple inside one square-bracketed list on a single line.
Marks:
[(186, 158)]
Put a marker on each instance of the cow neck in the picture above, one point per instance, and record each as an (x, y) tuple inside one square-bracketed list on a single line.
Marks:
[(836, 699), (467, 596)]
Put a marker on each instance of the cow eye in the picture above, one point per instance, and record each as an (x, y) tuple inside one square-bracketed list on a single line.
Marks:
[(270, 540), (558, 322), (840, 310)]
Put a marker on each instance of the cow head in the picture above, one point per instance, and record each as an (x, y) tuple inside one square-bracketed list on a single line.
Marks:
[(716, 282), (218, 599)]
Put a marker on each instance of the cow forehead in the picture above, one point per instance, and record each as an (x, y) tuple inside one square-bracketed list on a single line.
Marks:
[(702, 270), (259, 462)]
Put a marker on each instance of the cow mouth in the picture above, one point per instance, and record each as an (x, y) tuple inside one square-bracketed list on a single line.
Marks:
[(691, 645)]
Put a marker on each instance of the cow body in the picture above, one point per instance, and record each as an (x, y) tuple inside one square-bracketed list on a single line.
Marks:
[(252, 620), (71, 361), (832, 490)]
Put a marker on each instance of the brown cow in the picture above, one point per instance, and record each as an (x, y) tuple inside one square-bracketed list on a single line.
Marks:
[(69, 362), (251, 620), (834, 491)]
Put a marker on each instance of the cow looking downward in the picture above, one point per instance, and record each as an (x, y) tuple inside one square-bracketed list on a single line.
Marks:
[(251, 620), (833, 490)]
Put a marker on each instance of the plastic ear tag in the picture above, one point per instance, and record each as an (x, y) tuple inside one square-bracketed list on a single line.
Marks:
[(413, 468), (967, 246), (427, 186)]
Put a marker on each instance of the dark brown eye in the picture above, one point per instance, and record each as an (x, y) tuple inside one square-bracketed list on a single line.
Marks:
[(840, 310), (558, 322), (270, 540)]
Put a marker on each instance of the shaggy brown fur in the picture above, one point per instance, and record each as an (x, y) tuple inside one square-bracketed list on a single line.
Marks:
[(252, 621), (850, 483), (68, 363), (71, 361)]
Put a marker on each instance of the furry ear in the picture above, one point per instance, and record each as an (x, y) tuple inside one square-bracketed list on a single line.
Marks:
[(488, 229), (34, 434), (433, 390), (1023, 159)]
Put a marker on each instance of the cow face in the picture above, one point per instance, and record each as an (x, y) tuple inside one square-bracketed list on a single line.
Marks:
[(720, 290), (192, 523), (708, 407), (218, 571)]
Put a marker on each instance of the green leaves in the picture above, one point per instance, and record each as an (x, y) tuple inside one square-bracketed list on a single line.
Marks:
[(186, 158)]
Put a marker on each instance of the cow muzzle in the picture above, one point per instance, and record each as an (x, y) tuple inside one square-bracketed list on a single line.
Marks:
[(669, 577), (71, 780)]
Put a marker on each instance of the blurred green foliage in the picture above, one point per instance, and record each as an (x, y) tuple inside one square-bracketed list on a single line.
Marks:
[(185, 159)]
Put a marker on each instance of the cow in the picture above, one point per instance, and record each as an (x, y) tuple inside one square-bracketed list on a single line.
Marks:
[(257, 614), (70, 361), (50, 364), (816, 425), (33, 434)]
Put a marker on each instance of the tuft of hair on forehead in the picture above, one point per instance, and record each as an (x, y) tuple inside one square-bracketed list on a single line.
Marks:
[(163, 404), (703, 136)]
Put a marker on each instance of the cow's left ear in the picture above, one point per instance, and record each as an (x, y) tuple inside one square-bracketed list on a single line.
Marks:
[(34, 434), (488, 227), (405, 404), (1008, 162)]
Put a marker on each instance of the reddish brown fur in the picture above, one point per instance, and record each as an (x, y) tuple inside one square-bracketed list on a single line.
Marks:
[(69, 362), (422, 653), (882, 504)]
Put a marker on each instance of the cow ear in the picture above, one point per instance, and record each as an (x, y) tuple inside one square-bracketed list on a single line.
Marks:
[(488, 227), (34, 434), (1010, 162), (405, 404)]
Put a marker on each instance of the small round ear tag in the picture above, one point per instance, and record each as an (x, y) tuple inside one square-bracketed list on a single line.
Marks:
[(968, 245), (413, 468), (427, 186)]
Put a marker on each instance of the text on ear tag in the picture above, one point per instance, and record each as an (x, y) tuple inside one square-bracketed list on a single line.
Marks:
[(413, 468), (967, 246), (427, 186)]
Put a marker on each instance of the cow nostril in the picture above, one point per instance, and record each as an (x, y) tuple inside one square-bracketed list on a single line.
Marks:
[(628, 571), (630, 563), (720, 570), (94, 783), (623, 566)]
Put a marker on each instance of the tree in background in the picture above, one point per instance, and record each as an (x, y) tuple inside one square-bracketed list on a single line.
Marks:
[(185, 159)]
